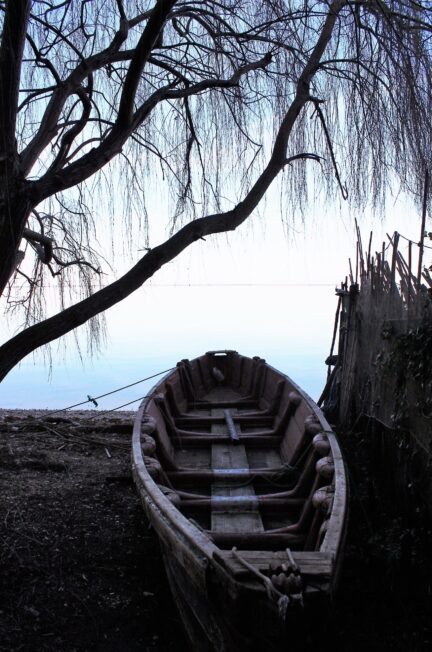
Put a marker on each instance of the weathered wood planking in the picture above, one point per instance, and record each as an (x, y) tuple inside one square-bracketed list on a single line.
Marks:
[(231, 456), (294, 434), (260, 458), (310, 564), (199, 458)]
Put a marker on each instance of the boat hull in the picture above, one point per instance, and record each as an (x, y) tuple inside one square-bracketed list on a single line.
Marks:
[(224, 607), (220, 615)]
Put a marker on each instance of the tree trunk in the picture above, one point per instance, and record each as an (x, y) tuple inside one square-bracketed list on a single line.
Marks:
[(14, 211)]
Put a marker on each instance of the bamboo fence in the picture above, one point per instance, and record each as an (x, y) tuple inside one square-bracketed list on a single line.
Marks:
[(384, 303)]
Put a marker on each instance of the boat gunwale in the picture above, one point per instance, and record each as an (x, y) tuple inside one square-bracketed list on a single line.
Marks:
[(171, 518)]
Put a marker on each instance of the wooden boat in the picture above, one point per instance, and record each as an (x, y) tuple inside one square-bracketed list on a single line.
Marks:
[(243, 480)]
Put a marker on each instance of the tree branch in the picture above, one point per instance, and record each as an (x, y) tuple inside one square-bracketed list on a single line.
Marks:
[(73, 132), (94, 160), (321, 118), (48, 124), (146, 43), (48, 330), (45, 249)]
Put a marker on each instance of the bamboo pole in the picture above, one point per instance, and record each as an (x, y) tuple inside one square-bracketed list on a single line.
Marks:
[(410, 285), (357, 260), (336, 322), (351, 272), (369, 254), (395, 243), (423, 226), (360, 253), (379, 270)]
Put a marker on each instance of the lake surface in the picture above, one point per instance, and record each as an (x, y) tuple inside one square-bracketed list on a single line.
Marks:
[(290, 326), (218, 294)]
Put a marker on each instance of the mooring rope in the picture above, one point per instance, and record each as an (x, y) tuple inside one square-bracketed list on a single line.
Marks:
[(93, 400)]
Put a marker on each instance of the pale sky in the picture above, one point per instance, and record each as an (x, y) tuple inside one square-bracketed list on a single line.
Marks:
[(255, 290)]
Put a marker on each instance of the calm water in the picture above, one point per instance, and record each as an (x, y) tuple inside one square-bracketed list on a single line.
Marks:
[(289, 326)]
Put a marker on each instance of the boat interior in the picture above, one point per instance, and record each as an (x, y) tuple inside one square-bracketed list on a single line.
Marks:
[(242, 453)]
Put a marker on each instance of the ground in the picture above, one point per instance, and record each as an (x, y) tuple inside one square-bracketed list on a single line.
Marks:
[(81, 570)]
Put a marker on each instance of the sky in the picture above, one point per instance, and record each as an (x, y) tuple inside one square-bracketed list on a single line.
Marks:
[(266, 289), (257, 290)]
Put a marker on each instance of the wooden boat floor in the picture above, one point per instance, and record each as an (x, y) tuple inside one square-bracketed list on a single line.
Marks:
[(193, 458), (264, 458), (200, 458), (222, 393), (231, 456)]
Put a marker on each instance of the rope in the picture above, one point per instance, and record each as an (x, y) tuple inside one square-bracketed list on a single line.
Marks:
[(282, 600), (77, 436), (93, 400), (119, 407), (114, 391), (418, 244), (271, 590)]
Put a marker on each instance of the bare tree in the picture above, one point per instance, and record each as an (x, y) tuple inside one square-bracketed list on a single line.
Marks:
[(335, 92)]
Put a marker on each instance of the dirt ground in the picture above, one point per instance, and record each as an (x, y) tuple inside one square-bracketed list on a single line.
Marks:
[(81, 570)]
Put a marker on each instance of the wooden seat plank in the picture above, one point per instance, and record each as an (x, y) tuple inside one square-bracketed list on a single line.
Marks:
[(310, 563)]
